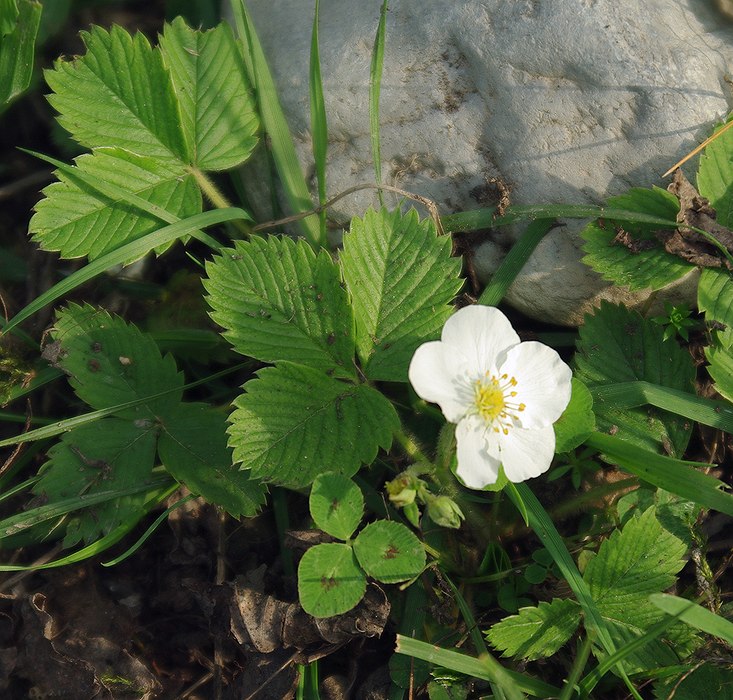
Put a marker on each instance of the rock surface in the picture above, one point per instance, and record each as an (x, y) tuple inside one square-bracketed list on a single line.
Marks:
[(566, 101)]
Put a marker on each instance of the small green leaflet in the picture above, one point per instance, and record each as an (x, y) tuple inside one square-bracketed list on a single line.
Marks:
[(654, 268), (617, 345), (278, 300), (402, 279), (295, 422), (153, 118), (109, 363), (218, 114), (715, 295), (389, 552), (714, 175), (641, 559), (336, 505), (536, 632), (330, 581)]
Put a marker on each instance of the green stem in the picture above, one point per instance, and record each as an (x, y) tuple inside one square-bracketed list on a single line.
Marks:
[(414, 452), (217, 198), (578, 665)]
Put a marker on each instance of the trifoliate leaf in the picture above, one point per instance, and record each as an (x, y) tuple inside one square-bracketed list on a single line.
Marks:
[(218, 111), (714, 175), (119, 93), (401, 278), (617, 345), (18, 30), (193, 448), (101, 456), (336, 504), (330, 581), (76, 221), (389, 552), (278, 300), (715, 295), (649, 265), (111, 362), (536, 632), (577, 421), (294, 422)]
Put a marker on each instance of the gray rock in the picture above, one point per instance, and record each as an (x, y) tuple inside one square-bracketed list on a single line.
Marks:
[(566, 101)]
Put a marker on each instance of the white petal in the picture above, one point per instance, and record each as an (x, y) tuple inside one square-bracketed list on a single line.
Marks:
[(476, 336), (543, 383), (434, 380), (527, 453), (477, 466)]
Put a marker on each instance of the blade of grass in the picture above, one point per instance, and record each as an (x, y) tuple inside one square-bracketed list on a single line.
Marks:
[(99, 545), (487, 218), (67, 424), (716, 414), (275, 124), (319, 122), (133, 250), (590, 681), (694, 615), (27, 519), (375, 88), (514, 262), (151, 529), (674, 475), (500, 676), (41, 378), (470, 666), (544, 528)]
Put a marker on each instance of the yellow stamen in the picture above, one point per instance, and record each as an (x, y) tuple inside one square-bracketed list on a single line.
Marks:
[(492, 402)]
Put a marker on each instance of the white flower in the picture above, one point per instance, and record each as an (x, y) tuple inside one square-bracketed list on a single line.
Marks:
[(503, 394)]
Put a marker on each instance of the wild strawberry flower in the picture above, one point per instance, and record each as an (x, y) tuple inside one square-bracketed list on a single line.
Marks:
[(503, 394)]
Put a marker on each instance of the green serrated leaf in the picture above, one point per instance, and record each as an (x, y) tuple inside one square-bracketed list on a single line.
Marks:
[(294, 422), (193, 448), (389, 552), (577, 421), (644, 269), (715, 296), (538, 632), (111, 362), (119, 93), (76, 221), (336, 505), (109, 454), (720, 357), (641, 559), (714, 175), (402, 279), (617, 345), (218, 112), (278, 300), (330, 581), (18, 32)]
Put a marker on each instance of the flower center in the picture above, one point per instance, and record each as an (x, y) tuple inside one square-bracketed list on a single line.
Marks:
[(493, 401)]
